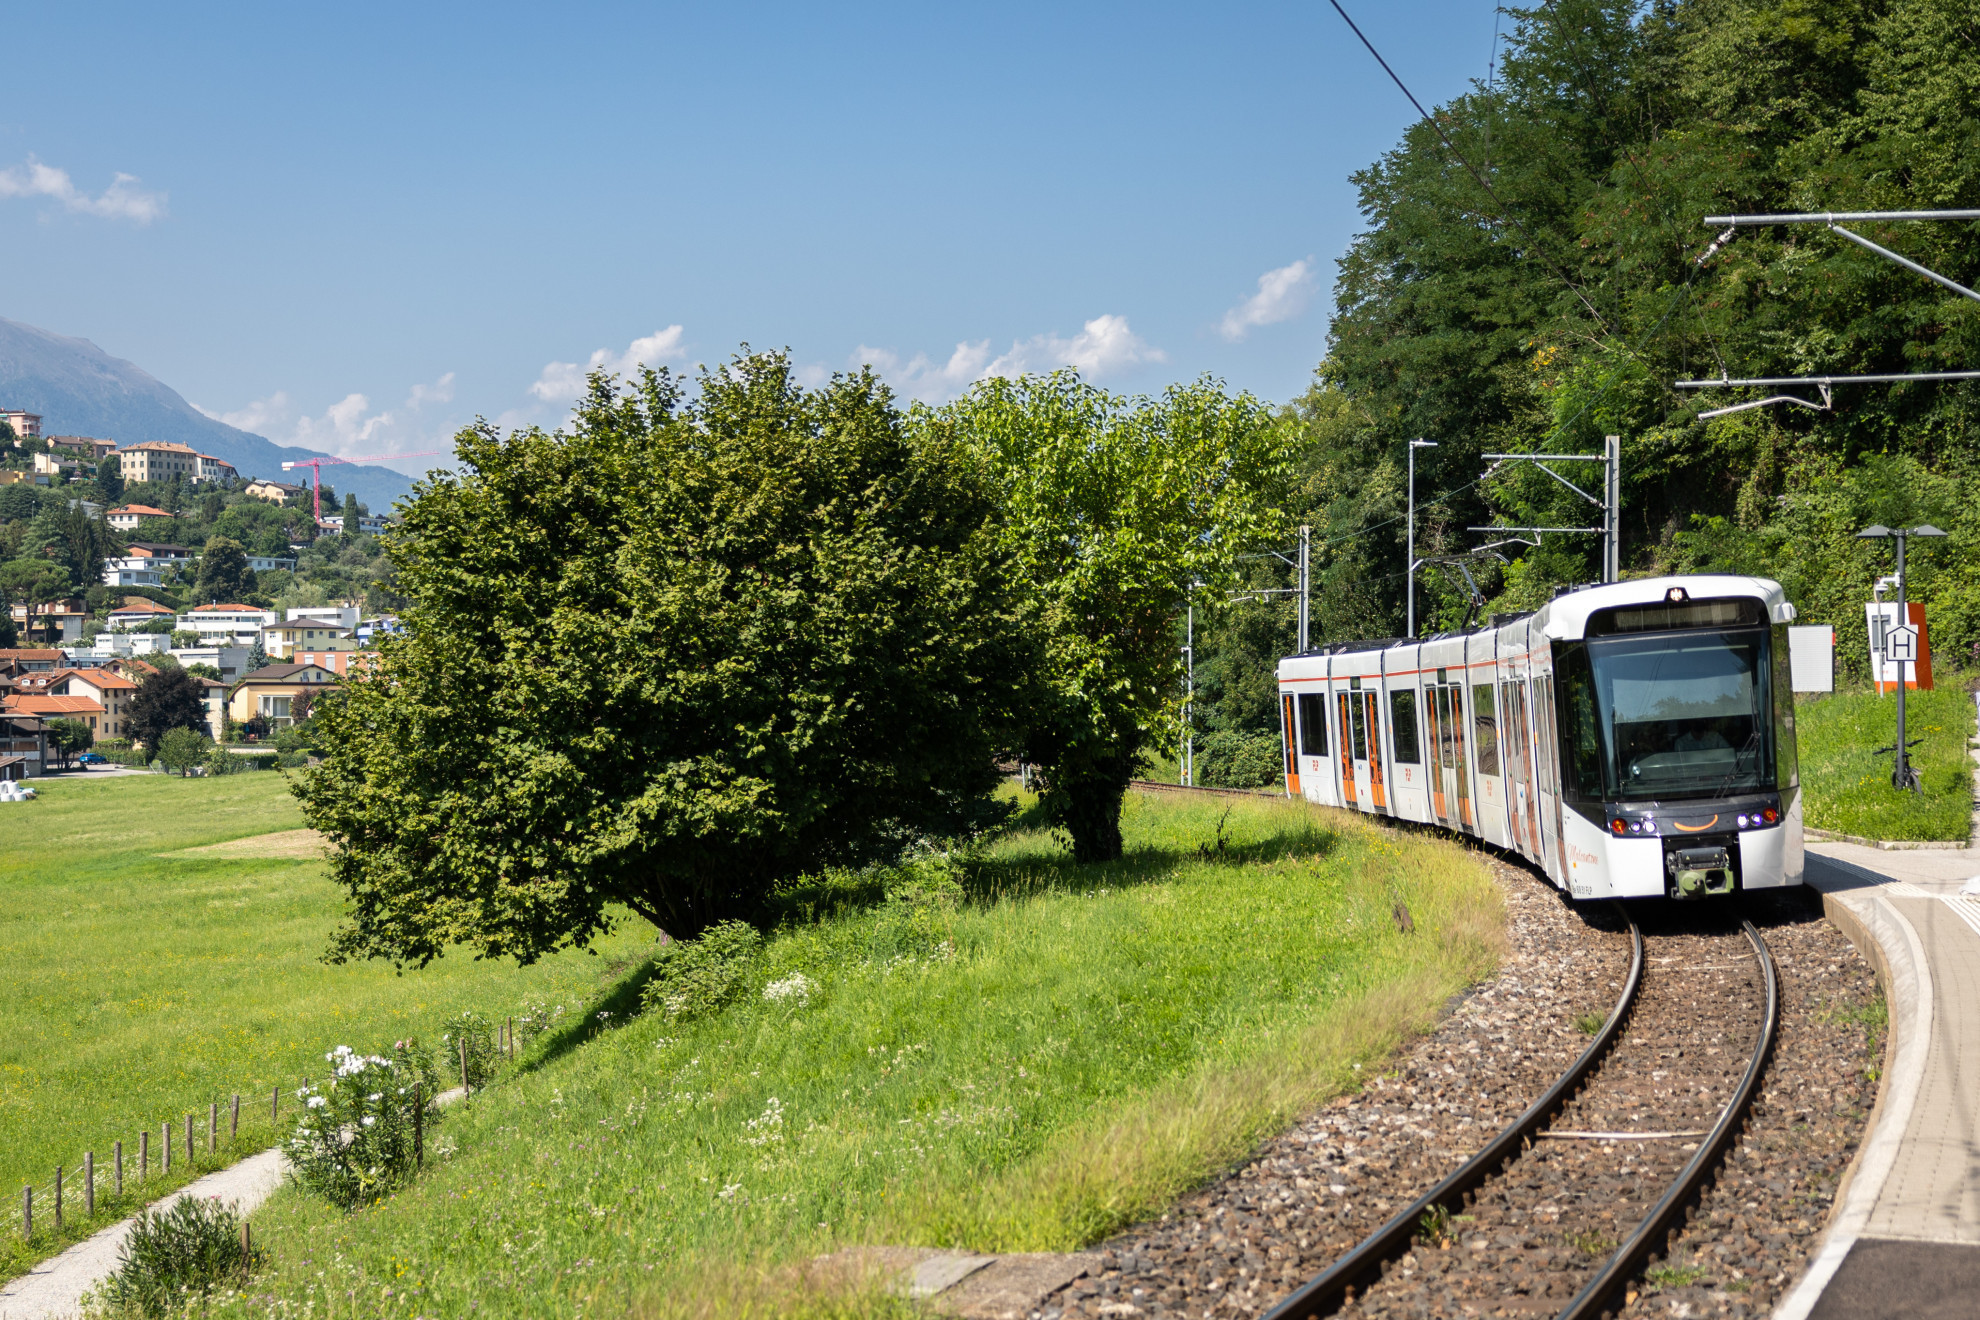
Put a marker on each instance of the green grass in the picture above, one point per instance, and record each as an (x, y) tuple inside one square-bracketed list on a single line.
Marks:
[(144, 982), (1847, 788), (1064, 1052)]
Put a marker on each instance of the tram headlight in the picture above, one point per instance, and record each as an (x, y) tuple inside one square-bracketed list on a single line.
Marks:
[(1742, 821)]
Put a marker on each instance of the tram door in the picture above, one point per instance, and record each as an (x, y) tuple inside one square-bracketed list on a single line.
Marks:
[(1437, 711), (1460, 759), (1548, 758), (1354, 734), (1453, 782), (1344, 740), (1519, 765), (1371, 706)]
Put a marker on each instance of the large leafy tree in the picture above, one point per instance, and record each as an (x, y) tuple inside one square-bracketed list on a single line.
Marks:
[(166, 700), (224, 575), (667, 658), (1114, 512)]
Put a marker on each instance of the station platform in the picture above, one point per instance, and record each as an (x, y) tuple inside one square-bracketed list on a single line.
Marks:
[(1904, 1239)]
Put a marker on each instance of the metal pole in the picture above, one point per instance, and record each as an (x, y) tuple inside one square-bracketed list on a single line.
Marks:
[(1305, 584), (1612, 508), (1187, 769), (1410, 554), (1901, 774)]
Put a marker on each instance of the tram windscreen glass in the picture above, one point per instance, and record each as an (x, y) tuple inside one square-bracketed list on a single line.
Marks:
[(1402, 725), (1312, 724), (1679, 715)]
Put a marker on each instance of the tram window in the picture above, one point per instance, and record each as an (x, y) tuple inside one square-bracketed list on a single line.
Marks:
[(1787, 756), (1447, 755), (1360, 723), (1485, 719), (1402, 724), (1681, 715), (1581, 742), (1312, 724)]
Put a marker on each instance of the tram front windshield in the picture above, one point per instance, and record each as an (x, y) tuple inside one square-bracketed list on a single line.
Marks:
[(1683, 714)]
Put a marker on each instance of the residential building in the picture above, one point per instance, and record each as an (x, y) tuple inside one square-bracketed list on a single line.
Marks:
[(48, 465), (209, 468), (275, 492), (15, 477), (163, 553), (282, 640), (91, 509), (110, 648), (214, 698), (368, 524), (344, 614), (136, 612), (109, 689), (230, 661), (89, 447), (265, 563), (30, 659), (23, 746), (25, 424), (159, 460), (56, 622), (340, 663), (126, 517), (45, 708), (130, 572), (269, 693), (226, 625), (369, 631)]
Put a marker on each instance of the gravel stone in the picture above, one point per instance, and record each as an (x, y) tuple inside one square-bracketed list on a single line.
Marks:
[(1538, 1230)]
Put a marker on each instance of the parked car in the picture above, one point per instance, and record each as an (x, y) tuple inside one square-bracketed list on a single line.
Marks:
[(92, 758)]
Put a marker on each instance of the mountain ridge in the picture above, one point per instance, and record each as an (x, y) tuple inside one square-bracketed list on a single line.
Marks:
[(81, 390)]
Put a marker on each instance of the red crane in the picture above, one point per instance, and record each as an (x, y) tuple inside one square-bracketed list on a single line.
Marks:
[(316, 466)]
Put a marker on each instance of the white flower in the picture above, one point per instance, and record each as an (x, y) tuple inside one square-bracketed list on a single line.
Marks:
[(369, 1120), (729, 1193), (796, 987), (317, 1102)]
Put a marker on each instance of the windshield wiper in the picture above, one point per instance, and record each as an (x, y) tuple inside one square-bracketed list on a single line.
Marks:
[(1752, 744)]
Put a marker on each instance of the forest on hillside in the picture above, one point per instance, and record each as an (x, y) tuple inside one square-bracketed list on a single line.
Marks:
[(1534, 276)]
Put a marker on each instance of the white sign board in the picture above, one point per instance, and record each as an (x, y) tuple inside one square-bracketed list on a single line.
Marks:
[(1901, 644), (1812, 658), (1894, 645)]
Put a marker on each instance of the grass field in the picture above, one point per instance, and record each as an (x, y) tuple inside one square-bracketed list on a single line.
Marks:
[(1052, 1053), (1848, 786), (150, 972)]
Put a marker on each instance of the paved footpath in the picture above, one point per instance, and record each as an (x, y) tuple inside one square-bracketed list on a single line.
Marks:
[(1905, 1238)]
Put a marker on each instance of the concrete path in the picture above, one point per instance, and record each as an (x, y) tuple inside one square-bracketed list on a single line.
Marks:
[(1905, 1237), (53, 1289)]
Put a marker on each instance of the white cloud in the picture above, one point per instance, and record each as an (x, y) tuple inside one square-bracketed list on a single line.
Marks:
[(1105, 345), (561, 382), (348, 427), (122, 200), (1282, 294), (440, 391)]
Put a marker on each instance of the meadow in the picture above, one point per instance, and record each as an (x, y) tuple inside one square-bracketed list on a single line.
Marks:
[(1847, 786), (162, 953), (999, 1051)]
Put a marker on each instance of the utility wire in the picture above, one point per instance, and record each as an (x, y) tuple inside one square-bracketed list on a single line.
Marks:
[(1505, 212)]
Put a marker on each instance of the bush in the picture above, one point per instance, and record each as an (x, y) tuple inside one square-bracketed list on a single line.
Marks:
[(1229, 758), (176, 1254), (917, 919), (693, 978), (473, 1030), (182, 748), (355, 1137)]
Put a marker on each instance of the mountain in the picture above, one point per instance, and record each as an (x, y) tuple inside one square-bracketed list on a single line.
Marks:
[(80, 390)]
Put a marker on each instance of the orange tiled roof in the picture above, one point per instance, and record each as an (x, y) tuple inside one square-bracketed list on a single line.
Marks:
[(55, 707)]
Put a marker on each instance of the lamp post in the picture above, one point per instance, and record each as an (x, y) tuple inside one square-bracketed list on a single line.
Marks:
[(1902, 775), (1410, 554)]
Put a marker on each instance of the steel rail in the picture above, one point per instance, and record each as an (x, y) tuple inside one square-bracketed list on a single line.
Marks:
[(1649, 1235), (1327, 1291)]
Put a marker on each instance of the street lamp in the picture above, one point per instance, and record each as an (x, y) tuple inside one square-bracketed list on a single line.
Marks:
[(1410, 554), (1902, 775)]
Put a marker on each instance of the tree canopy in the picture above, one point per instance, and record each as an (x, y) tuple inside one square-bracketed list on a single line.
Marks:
[(669, 657), (166, 700)]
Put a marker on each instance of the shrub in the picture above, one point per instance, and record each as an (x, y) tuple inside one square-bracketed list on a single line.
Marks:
[(695, 977), (917, 919), (1229, 758), (471, 1030), (537, 1016), (182, 748), (173, 1255), (355, 1137)]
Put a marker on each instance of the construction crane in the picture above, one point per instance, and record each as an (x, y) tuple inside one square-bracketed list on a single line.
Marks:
[(316, 466)]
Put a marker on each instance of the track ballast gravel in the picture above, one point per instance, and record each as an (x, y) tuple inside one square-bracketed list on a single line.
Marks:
[(1542, 1227)]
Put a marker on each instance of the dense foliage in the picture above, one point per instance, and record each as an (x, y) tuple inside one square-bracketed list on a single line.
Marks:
[(1560, 306), (169, 699), (666, 658)]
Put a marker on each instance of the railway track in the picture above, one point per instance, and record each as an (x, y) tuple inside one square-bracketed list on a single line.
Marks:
[(1562, 1209)]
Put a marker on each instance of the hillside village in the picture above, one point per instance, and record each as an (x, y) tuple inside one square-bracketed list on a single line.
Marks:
[(150, 587)]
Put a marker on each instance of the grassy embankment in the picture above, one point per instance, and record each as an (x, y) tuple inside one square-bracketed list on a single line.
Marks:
[(147, 978), (1060, 1052), (1848, 787)]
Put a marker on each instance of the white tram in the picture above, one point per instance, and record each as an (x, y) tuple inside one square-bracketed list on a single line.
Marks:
[(1635, 740)]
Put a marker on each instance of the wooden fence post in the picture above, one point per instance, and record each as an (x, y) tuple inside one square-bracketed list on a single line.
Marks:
[(58, 1198), (120, 1168), (212, 1126), (190, 1147), (165, 1156), (89, 1183), (419, 1127), (274, 1104), (234, 1130), (464, 1085), (27, 1213), (247, 1252), (144, 1154)]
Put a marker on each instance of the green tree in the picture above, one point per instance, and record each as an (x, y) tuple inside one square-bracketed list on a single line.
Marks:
[(169, 699), (110, 480), (351, 515), (65, 534), (669, 658), (68, 737), (33, 581), (1116, 512), (183, 748), (224, 575)]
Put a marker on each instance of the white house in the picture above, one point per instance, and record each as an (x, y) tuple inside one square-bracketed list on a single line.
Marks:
[(341, 615), (231, 661), (226, 625), (136, 571), (136, 612), (264, 563)]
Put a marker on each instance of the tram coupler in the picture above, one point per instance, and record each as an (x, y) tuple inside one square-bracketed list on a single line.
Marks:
[(1696, 872)]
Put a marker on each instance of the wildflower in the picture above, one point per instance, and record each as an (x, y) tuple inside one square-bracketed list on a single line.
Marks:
[(795, 989), (369, 1120), (316, 1102), (728, 1193)]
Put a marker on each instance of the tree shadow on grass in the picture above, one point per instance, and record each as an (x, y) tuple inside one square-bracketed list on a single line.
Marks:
[(618, 1002), (996, 880)]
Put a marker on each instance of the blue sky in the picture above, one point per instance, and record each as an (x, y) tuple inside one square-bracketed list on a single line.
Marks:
[(357, 227)]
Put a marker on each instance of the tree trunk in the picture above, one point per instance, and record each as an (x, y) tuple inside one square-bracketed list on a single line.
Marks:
[(1090, 811)]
